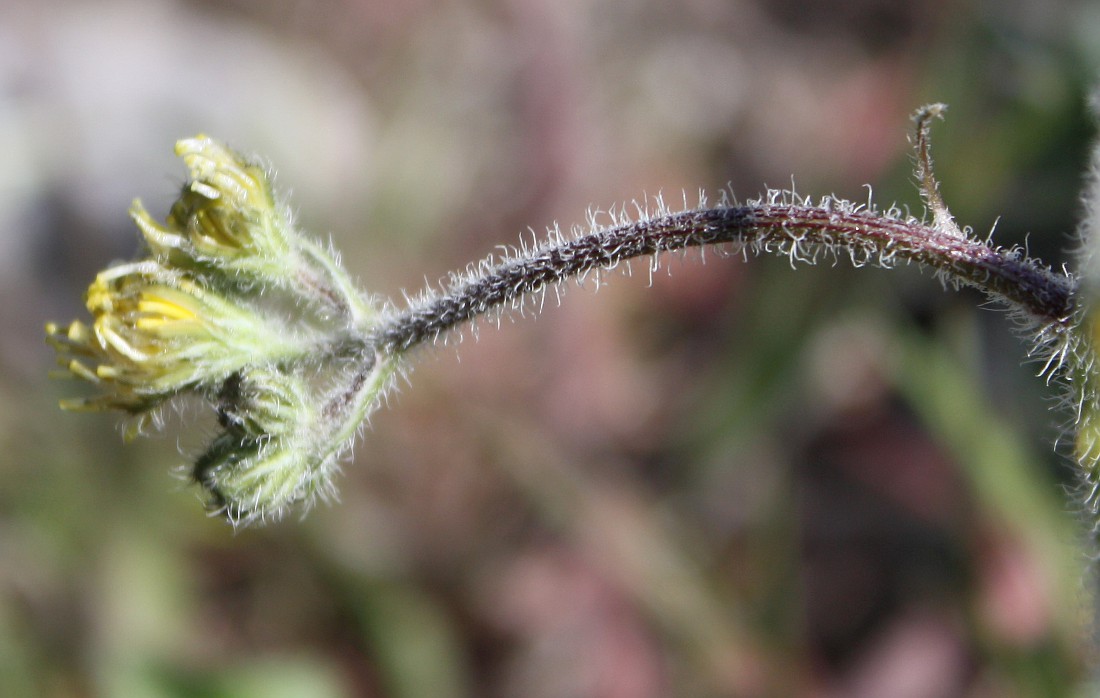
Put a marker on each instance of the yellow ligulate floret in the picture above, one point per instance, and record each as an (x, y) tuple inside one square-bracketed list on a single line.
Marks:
[(156, 303)]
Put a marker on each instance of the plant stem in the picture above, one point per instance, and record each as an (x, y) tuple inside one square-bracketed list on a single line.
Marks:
[(792, 228)]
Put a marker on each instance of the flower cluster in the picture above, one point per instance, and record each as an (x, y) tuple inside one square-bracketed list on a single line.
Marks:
[(233, 304)]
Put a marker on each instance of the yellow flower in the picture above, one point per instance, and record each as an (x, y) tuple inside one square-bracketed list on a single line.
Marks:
[(228, 224), (156, 332), (226, 216)]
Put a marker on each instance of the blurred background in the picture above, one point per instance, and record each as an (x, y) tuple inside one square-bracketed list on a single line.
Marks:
[(737, 480)]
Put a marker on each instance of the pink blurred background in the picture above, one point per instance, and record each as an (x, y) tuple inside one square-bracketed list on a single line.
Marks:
[(727, 479)]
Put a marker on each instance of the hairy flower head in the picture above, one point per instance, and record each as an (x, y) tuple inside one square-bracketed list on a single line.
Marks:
[(283, 439), (231, 303), (263, 461), (226, 216), (156, 331)]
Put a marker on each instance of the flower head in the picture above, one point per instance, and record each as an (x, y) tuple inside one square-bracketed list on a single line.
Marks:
[(283, 439), (264, 461), (225, 217), (156, 331), (228, 224), (257, 479), (263, 400)]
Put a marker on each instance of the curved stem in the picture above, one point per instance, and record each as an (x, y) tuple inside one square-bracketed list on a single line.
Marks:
[(796, 229)]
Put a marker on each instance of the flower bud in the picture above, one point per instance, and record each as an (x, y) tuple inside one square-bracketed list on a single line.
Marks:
[(258, 479), (261, 401), (264, 461), (282, 442)]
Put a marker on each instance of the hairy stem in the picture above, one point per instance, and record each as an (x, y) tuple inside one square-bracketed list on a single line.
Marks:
[(795, 229)]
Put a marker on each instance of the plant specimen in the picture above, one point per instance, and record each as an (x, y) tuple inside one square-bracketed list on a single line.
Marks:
[(233, 304)]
